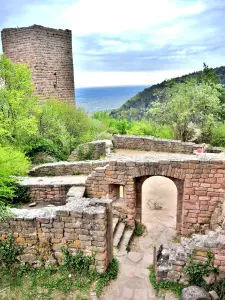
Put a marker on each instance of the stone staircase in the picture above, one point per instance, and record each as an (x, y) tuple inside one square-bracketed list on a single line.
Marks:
[(121, 237)]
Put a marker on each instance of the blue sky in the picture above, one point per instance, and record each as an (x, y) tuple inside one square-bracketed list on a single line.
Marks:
[(120, 42)]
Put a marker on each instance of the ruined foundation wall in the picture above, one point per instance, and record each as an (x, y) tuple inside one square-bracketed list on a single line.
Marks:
[(48, 52), (171, 260), (44, 232), (145, 143)]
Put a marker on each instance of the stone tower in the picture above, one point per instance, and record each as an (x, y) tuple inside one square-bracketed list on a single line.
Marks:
[(48, 52)]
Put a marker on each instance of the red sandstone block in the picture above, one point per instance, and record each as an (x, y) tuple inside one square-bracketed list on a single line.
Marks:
[(203, 184), (190, 220), (220, 180), (204, 207), (221, 171), (211, 180), (218, 175), (196, 183), (194, 197), (216, 186), (191, 206), (202, 220), (201, 193), (206, 198), (192, 215), (220, 257), (204, 214), (222, 268)]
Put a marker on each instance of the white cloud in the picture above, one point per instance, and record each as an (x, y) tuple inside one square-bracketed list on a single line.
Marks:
[(86, 79)]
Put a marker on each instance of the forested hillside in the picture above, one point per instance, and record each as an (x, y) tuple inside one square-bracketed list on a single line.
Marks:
[(136, 107)]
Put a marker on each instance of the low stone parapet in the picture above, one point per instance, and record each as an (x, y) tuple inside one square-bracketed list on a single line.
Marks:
[(67, 168), (146, 143)]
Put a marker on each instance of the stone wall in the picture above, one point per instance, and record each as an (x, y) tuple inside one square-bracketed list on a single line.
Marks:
[(67, 168), (83, 224), (171, 260), (200, 182), (153, 144), (94, 150), (48, 52)]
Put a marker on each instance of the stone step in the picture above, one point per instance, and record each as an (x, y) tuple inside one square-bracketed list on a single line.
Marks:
[(125, 240), (76, 191), (115, 223), (118, 234)]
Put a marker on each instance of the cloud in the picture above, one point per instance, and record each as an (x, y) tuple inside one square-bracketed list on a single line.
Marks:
[(117, 37)]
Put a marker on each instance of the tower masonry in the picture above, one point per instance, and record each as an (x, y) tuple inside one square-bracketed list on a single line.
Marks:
[(48, 52)]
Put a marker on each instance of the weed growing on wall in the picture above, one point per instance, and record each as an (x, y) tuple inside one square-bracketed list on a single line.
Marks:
[(196, 271)]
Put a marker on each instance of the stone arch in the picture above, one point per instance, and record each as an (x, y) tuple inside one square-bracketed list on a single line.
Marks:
[(179, 183)]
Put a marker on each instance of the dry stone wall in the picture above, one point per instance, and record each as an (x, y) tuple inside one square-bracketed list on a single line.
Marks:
[(48, 194), (67, 168), (82, 224), (94, 150), (48, 52)]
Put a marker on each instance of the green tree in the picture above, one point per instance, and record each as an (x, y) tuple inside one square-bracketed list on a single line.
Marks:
[(17, 103), (188, 103)]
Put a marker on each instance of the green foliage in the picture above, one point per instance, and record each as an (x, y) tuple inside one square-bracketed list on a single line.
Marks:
[(165, 285), (139, 229), (187, 103), (42, 145), (85, 153), (148, 128), (106, 277), (196, 271), (218, 135), (9, 252), (18, 104), (78, 262), (12, 163)]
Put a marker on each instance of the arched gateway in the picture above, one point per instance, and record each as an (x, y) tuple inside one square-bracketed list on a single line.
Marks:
[(200, 184)]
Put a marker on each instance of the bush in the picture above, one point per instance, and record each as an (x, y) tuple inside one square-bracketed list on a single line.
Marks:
[(218, 135), (149, 128), (12, 163), (9, 252)]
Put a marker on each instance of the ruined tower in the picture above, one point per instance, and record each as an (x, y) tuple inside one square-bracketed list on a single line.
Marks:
[(48, 52)]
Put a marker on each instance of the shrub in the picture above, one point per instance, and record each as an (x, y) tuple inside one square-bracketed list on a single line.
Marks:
[(196, 271), (218, 135), (9, 252)]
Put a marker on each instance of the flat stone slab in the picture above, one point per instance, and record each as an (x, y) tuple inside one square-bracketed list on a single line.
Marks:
[(134, 256), (78, 180)]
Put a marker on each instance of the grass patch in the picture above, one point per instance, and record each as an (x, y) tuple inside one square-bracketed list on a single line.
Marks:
[(174, 287), (50, 283), (75, 279)]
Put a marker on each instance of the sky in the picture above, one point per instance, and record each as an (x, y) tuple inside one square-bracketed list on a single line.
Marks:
[(129, 42)]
